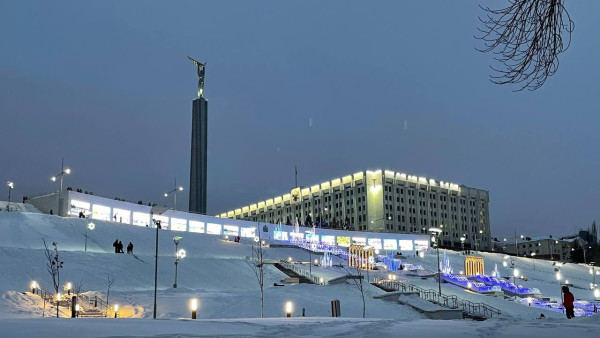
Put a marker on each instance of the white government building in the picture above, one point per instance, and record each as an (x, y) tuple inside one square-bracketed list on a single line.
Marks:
[(71, 204), (386, 202)]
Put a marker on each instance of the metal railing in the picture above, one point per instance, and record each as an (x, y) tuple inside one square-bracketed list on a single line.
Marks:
[(86, 303), (448, 301), (304, 272), (93, 303)]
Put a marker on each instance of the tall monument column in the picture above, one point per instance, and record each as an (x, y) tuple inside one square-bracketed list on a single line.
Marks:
[(198, 177)]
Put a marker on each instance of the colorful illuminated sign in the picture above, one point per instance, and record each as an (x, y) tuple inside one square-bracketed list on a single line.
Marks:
[(328, 239), (178, 224), (280, 235), (421, 245), (101, 212), (248, 232), (230, 230), (310, 237), (343, 241), (390, 244), (80, 206), (359, 240), (196, 226), (375, 243), (121, 216), (296, 236), (141, 219), (213, 229), (164, 221), (406, 245)]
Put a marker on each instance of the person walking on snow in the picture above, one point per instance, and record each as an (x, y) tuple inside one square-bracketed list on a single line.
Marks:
[(568, 300), (120, 247), (116, 245), (130, 248)]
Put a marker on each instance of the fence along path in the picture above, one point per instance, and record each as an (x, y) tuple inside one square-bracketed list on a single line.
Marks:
[(451, 302), (90, 306)]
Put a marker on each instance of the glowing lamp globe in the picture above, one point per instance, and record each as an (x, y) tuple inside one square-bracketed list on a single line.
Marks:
[(194, 304)]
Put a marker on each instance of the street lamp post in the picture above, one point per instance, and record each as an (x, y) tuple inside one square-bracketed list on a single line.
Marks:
[(63, 171), (174, 192), (157, 225), (515, 274), (436, 237), (90, 226), (594, 286), (533, 260), (462, 243), (179, 254), (11, 186)]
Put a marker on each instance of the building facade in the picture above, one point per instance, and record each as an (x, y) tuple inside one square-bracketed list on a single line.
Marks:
[(93, 207), (382, 201), (541, 248)]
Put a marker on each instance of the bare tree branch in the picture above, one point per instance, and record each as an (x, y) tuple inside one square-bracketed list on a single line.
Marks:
[(525, 38), (360, 286)]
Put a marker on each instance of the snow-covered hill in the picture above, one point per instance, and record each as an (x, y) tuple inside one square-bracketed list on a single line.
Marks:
[(217, 273)]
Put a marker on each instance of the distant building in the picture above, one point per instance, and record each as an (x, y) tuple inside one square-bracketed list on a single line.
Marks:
[(382, 201), (541, 248)]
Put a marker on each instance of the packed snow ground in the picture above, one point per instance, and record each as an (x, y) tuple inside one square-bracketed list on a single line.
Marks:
[(216, 272)]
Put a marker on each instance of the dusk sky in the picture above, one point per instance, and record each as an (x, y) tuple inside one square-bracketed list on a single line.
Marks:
[(333, 87)]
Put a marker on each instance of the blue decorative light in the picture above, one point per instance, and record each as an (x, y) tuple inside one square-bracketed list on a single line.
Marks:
[(506, 286)]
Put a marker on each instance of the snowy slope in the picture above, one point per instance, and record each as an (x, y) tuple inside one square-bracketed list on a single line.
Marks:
[(216, 272)]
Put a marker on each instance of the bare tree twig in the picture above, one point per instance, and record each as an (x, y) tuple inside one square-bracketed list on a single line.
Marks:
[(525, 39)]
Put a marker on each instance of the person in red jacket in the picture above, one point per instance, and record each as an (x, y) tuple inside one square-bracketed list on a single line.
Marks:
[(568, 300)]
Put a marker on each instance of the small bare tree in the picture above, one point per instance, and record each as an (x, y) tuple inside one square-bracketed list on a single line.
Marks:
[(359, 285), (257, 265), (78, 287), (54, 265), (525, 38), (109, 283)]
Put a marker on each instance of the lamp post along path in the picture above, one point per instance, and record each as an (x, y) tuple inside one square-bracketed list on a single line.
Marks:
[(174, 192), (63, 171), (179, 254), (436, 238), (11, 186)]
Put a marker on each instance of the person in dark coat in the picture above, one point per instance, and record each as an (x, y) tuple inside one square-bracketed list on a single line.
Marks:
[(568, 300), (116, 245), (130, 248), (120, 247)]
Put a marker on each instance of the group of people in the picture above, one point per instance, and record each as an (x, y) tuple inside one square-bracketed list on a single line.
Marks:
[(119, 247)]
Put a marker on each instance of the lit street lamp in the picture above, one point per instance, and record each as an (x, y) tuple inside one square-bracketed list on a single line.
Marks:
[(90, 226), (179, 254), (462, 243), (533, 260), (194, 307), (157, 226), (436, 239), (63, 171), (11, 186), (515, 274), (174, 192), (288, 309), (593, 285)]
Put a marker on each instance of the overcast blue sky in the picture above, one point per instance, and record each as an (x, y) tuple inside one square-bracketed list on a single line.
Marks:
[(388, 84)]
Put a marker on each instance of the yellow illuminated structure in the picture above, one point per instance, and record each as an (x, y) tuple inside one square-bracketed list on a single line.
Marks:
[(382, 201), (474, 266), (362, 257)]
